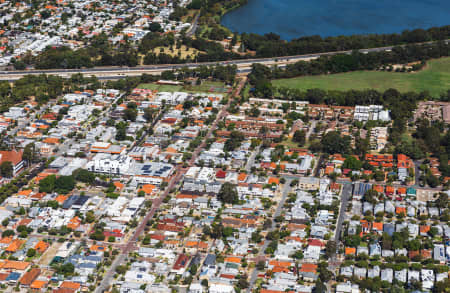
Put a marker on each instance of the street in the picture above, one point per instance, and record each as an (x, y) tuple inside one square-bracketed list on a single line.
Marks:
[(285, 192), (346, 195), (251, 159)]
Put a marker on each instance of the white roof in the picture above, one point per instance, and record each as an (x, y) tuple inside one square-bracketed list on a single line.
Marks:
[(100, 144)]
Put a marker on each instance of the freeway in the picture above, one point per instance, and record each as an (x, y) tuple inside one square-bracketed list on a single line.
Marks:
[(115, 72)]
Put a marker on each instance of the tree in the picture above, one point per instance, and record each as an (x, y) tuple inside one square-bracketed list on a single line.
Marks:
[(442, 286), (7, 233), (379, 175), (352, 163), (47, 184), (217, 231), (193, 269), (228, 193), (432, 180), (84, 175), (90, 217), (442, 201), (254, 112), (121, 269), (110, 122), (299, 137), (413, 245), (146, 240), (261, 265), (234, 141), (64, 184), (29, 153), (324, 273), (319, 287), (121, 134), (66, 269), (130, 114), (53, 204), (31, 252), (155, 27), (333, 143), (371, 196), (243, 283), (148, 114), (6, 169), (330, 248), (386, 241), (227, 232), (298, 254)]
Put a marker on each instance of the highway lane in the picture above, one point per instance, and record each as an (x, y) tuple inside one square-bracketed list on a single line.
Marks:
[(113, 76), (113, 71)]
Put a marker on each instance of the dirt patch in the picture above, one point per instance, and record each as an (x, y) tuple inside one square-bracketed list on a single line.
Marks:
[(48, 256)]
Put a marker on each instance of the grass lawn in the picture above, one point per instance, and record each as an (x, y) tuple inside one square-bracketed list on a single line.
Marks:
[(287, 142), (245, 91), (161, 87), (203, 88), (206, 86), (435, 78)]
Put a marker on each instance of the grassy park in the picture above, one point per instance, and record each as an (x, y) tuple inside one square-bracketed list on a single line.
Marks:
[(206, 87), (435, 78)]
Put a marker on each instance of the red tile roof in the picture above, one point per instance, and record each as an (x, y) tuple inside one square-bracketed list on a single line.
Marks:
[(11, 156)]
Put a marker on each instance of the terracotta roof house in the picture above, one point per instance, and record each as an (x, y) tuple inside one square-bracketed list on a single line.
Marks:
[(63, 290), (274, 180), (74, 223), (14, 265), (38, 285), (41, 246), (29, 277), (15, 245), (70, 285), (350, 250), (15, 158)]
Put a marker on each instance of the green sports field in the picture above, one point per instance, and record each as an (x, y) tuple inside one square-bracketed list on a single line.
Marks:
[(435, 78)]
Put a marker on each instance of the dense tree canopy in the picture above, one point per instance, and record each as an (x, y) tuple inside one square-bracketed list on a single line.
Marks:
[(62, 184), (333, 143), (6, 169), (228, 193)]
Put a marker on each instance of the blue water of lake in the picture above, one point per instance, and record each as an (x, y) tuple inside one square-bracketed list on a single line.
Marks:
[(295, 18)]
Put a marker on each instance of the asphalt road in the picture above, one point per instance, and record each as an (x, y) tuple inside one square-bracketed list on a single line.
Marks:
[(285, 192), (194, 27), (251, 159), (346, 195)]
